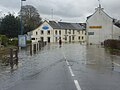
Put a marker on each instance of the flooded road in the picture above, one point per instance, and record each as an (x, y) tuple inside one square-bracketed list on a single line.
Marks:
[(94, 68), (91, 66)]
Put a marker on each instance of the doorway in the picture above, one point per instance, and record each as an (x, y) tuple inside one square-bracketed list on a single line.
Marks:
[(69, 38), (42, 39), (48, 40)]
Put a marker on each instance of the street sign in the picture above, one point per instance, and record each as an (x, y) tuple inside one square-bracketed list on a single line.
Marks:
[(90, 33), (94, 27), (22, 40)]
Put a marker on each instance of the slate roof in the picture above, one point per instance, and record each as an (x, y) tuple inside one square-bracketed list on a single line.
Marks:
[(116, 22), (89, 16), (65, 25), (54, 25)]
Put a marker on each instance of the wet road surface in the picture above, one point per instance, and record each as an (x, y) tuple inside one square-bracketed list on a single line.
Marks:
[(71, 67), (54, 77), (95, 69)]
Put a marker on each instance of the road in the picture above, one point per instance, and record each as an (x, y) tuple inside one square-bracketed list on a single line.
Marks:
[(71, 67)]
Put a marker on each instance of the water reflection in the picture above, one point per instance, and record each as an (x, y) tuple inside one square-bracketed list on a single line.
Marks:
[(81, 58), (100, 58), (112, 62), (29, 65)]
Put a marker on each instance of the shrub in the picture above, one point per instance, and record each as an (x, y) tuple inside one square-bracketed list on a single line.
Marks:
[(29, 41), (4, 40), (14, 42), (113, 44)]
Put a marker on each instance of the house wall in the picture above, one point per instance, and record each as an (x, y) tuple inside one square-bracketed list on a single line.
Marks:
[(36, 34), (99, 18), (116, 32), (69, 37)]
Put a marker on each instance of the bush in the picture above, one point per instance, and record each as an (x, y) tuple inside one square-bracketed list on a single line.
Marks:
[(4, 40), (14, 42), (29, 41), (113, 44)]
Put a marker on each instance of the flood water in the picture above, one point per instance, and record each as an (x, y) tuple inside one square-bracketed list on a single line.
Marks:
[(93, 57)]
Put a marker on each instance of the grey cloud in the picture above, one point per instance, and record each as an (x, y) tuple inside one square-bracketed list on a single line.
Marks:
[(66, 9)]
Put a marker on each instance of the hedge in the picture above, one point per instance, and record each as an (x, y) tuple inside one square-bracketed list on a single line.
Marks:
[(14, 42), (113, 44), (4, 40)]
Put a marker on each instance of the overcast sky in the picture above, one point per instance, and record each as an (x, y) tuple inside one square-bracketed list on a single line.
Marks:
[(67, 10)]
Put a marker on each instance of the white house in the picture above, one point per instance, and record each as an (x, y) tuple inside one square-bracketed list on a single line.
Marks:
[(52, 31), (100, 27)]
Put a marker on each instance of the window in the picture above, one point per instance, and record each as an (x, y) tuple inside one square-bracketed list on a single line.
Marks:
[(33, 38), (73, 38), (65, 38), (48, 32), (42, 32), (59, 32), (82, 37), (69, 31), (79, 37), (65, 31), (36, 33), (73, 31), (56, 32)]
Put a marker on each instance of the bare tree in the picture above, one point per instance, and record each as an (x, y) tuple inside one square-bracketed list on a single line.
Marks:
[(30, 17)]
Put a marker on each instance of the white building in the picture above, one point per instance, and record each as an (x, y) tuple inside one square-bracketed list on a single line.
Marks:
[(51, 31), (100, 27)]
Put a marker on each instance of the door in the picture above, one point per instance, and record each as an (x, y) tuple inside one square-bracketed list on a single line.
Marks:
[(42, 39), (69, 38), (48, 40)]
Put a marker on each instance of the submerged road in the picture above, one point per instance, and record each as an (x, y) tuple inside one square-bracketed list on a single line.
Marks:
[(54, 77), (71, 67)]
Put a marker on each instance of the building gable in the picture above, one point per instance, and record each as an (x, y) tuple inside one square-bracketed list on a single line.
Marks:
[(45, 26), (98, 14)]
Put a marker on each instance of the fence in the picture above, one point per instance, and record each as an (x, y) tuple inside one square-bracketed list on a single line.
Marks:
[(9, 56), (35, 47)]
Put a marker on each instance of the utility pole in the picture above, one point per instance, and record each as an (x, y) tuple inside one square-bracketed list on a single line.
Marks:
[(21, 37), (52, 13), (21, 26)]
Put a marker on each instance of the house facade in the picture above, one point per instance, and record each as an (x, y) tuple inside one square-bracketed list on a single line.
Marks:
[(51, 32), (100, 27)]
